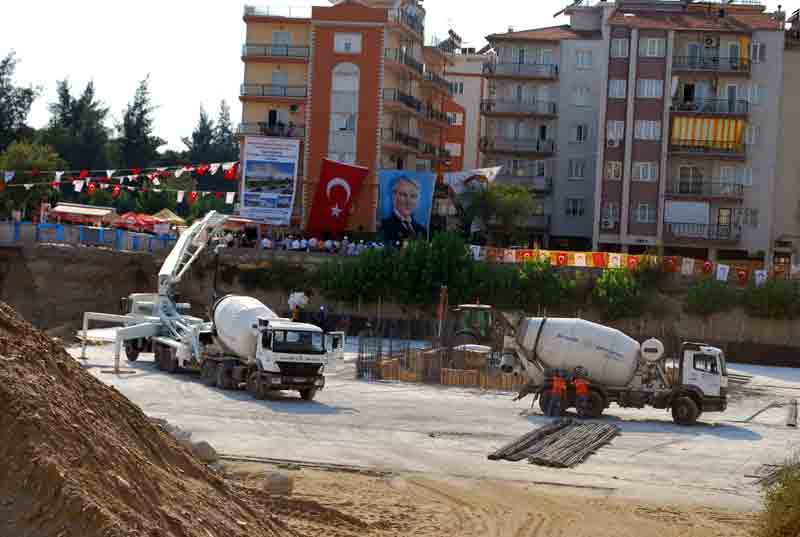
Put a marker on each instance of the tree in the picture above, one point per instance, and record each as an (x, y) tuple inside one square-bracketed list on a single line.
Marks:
[(502, 206), (28, 156), (201, 146), (225, 140), (15, 102), (77, 128), (138, 145)]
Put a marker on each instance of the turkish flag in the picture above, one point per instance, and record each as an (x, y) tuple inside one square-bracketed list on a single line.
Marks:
[(339, 184), (115, 193), (91, 189)]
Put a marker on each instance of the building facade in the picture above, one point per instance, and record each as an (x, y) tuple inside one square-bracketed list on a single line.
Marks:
[(355, 83), (469, 87)]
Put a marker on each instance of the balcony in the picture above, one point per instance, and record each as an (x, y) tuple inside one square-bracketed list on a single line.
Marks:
[(499, 144), (285, 12), (431, 114), (414, 23), (546, 71), (402, 57), (433, 152), (719, 107), (539, 222), (275, 51), (714, 188), (262, 128), (711, 64), (400, 139), (500, 107), (392, 95), (271, 90), (708, 148), (702, 233), (437, 81)]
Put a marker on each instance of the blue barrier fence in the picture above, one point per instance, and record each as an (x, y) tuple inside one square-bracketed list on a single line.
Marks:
[(18, 233)]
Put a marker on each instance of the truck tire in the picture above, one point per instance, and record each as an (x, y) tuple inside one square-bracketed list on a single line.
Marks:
[(596, 406), (167, 358), (224, 380), (209, 373), (544, 402), (308, 394), (132, 350), (684, 410)]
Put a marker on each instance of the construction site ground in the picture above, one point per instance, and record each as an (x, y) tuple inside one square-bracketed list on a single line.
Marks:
[(431, 442)]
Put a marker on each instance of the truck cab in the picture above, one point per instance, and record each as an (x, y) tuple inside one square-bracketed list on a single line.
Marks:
[(703, 372)]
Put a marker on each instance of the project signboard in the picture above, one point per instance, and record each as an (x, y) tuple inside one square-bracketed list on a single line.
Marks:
[(269, 179)]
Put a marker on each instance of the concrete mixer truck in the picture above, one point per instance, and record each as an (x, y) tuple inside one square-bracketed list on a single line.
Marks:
[(619, 369)]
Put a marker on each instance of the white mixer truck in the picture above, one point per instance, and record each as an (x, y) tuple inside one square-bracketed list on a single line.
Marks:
[(619, 369)]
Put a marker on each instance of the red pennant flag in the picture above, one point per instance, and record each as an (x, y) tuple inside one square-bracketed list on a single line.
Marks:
[(116, 192), (192, 197), (202, 169), (230, 174), (136, 171), (742, 274), (708, 266), (84, 174), (339, 185), (35, 173), (633, 262), (218, 195), (91, 189), (562, 259), (598, 259), (55, 184), (671, 264)]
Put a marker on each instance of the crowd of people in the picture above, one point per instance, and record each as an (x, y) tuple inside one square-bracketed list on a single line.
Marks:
[(298, 243)]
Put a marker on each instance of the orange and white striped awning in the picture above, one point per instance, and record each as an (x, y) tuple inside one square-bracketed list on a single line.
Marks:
[(699, 130)]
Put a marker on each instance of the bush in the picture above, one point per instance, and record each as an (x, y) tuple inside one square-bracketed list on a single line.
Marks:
[(708, 297), (773, 300), (781, 514), (540, 286), (274, 275), (618, 294), (650, 272)]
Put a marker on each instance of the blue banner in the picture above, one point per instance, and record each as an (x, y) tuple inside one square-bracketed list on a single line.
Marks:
[(406, 199)]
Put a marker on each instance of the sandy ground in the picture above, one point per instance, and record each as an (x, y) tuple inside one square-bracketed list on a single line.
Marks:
[(422, 506), (447, 432)]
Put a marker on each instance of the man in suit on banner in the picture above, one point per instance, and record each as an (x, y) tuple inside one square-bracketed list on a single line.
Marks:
[(400, 224)]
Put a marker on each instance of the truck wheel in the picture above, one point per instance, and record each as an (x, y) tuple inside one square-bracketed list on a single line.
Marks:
[(209, 373), (544, 402), (595, 407), (224, 380), (684, 410), (132, 350), (169, 362), (308, 394)]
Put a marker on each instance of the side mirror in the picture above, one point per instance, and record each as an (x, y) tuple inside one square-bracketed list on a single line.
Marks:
[(266, 340)]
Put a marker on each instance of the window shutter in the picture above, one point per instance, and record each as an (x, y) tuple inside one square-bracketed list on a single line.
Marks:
[(762, 52), (642, 47)]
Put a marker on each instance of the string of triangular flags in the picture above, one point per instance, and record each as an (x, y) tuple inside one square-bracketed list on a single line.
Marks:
[(116, 179), (686, 266)]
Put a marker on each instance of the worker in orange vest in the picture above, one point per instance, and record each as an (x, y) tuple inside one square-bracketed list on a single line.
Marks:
[(581, 385), (558, 388)]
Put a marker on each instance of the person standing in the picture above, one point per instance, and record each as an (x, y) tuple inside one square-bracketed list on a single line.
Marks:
[(558, 388), (582, 402)]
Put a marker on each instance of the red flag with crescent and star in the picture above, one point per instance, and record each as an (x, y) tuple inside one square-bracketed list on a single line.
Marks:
[(339, 184)]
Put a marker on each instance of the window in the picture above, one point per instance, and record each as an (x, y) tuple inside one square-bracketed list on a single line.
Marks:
[(280, 78), (581, 96), (281, 38), (744, 176), (619, 48), (583, 59), (751, 217), (615, 130), (751, 135), (648, 130), (756, 94), (296, 342), (614, 170), (577, 169), (645, 171), (580, 133), (645, 213), (575, 207), (648, 88), (347, 43), (610, 215), (758, 52), (706, 364), (617, 88), (456, 118), (652, 47), (347, 158), (343, 121), (453, 148), (457, 88)]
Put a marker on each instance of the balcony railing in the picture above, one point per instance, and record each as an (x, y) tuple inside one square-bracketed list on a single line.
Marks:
[(711, 148), (395, 95), (533, 70), (518, 145), (395, 136), (404, 57), (433, 151), (716, 64), (703, 232), (705, 189), (401, 16), (527, 178), (263, 128), (535, 108), (299, 12), (712, 106), (271, 90), (274, 51), (435, 115), (437, 80)]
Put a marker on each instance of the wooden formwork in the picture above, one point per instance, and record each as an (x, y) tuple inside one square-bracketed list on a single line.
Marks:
[(390, 369), (505, 382), (459, 377), (409, 376)]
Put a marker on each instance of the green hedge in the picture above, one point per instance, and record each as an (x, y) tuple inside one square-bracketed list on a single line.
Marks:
[(708, 297)]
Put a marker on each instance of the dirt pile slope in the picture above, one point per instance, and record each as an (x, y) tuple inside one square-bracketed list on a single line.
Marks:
[(79, 459)]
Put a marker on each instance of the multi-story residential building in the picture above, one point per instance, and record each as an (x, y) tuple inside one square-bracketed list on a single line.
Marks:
[(691, 106), (354, 82), (540, 123), (469, 88)]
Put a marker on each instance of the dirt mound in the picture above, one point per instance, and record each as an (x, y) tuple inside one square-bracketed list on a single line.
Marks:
[(79, 459)]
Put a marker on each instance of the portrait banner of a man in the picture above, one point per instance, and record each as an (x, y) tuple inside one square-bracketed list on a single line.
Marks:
[(405, 204)]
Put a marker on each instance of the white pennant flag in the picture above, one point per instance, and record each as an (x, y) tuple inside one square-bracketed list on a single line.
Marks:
[(227, 166), (181, 193), (28, 186), (687, 266), (580, 260), (214, 168), (615, 261), (9, 176), (229, 197), (761, 277), (157, 190), (722, 272), (78, 185), (161, 169), (109, 173), (103, 186), (156, 182), (58, 176), (206, 194), (178, 173)]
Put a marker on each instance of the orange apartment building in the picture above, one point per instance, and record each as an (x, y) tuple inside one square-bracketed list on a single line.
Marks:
[(354, 82)]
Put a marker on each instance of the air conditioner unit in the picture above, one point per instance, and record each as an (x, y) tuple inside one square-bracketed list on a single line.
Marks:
[(607, 223), (612, 142), (711, 41)]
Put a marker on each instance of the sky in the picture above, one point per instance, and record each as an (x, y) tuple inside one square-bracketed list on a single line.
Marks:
[(191, 49)]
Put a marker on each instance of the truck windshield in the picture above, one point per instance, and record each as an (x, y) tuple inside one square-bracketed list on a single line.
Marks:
[(476, 321), (298, 342)]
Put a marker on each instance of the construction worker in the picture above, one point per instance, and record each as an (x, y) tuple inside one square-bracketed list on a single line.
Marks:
[(582, 402), (558, 388)]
